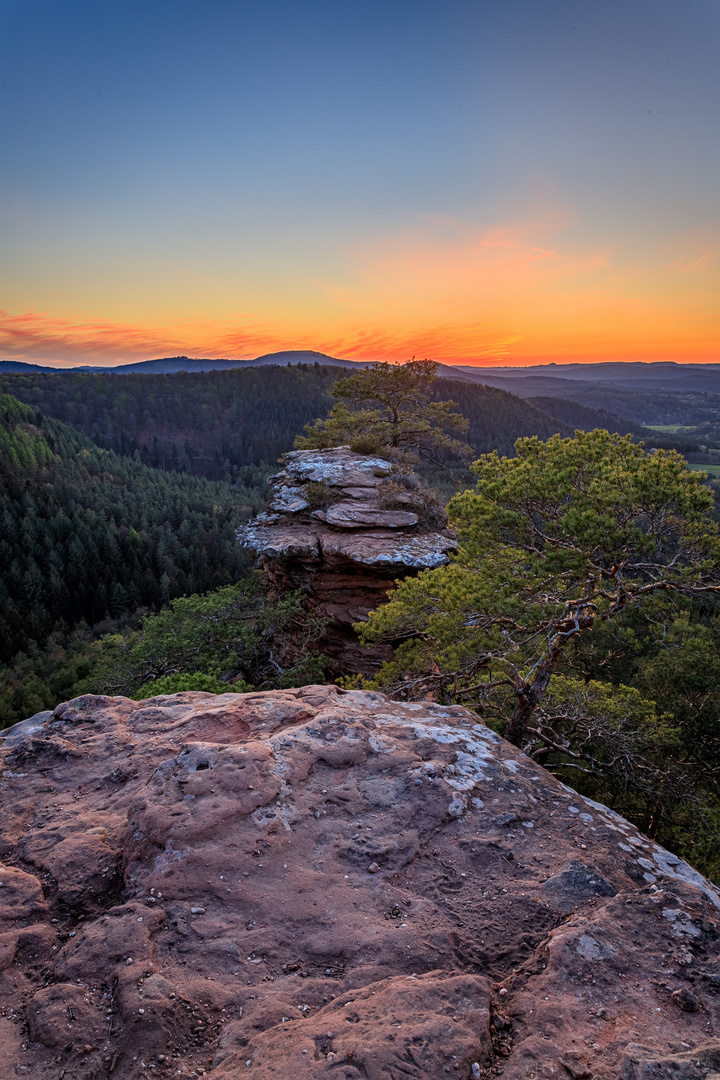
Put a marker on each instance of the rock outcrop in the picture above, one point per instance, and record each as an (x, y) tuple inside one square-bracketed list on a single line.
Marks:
[(329, 532), (316, 883)]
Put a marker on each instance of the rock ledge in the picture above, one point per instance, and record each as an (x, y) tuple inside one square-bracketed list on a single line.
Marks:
[(346, 553), (309, 883)]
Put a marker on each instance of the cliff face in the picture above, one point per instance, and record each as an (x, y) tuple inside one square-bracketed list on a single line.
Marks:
[(315, 883), (342, 531)]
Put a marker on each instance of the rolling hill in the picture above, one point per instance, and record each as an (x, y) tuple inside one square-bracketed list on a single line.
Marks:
[(234, 425)]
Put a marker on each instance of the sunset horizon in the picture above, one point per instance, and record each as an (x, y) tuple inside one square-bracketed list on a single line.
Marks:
[(481, 184)]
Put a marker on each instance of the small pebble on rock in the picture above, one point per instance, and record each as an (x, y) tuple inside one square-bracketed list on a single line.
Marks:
[(686, 1000)]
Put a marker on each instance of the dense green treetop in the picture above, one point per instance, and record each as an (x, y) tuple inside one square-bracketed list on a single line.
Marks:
[(236, 638), (239, 636), (390, 406), (566, 535)]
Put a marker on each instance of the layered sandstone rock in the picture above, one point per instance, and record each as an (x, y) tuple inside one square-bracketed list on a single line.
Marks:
[(328, 532), (316, 883)]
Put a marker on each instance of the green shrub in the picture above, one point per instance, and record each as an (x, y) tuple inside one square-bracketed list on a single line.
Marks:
[(369, 445), (317, 494), (176, 684), (405, 491)]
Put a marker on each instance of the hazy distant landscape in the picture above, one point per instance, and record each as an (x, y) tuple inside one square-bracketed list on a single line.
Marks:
[(226, 420), (224, 424)]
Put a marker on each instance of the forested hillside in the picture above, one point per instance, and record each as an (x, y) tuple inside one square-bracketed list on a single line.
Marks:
[(85, 533), (92, 536), (213, 424), (651, 406), (580, 416), (233, 425), (497, 418)]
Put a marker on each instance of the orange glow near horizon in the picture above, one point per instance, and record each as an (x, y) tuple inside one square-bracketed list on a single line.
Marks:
[(513, 294)]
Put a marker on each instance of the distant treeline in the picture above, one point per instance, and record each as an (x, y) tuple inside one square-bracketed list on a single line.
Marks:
[(688, 408), (580, 416), (215, 425), (86, 534), (233, 425)]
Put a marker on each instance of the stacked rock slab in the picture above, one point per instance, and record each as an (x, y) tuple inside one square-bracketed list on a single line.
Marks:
[(346, 555), (315, 883)]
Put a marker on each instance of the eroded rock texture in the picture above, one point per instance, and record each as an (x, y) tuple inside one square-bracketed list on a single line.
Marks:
[(345, 553), (310, 883)]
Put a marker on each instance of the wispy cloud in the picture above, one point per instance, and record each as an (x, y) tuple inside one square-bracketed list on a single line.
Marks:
[(696, 253), (518, 292), (533, 289), (41, 336)]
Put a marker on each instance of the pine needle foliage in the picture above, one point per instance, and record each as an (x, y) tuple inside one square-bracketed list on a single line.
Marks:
[(388, 407), (565, 536)]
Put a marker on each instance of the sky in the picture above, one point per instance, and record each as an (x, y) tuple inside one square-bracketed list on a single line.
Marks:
[(475, 181)]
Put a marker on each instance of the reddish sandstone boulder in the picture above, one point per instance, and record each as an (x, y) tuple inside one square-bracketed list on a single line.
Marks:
[(346, 555), (313, 882)]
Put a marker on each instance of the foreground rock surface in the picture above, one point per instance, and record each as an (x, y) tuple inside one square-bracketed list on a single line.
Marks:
[(310, 883), (346, 553)]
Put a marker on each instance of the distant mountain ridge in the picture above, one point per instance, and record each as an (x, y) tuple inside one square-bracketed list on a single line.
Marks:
[(661, 375), (631, 393), (171, 365), (20, 365), (629, 368)]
